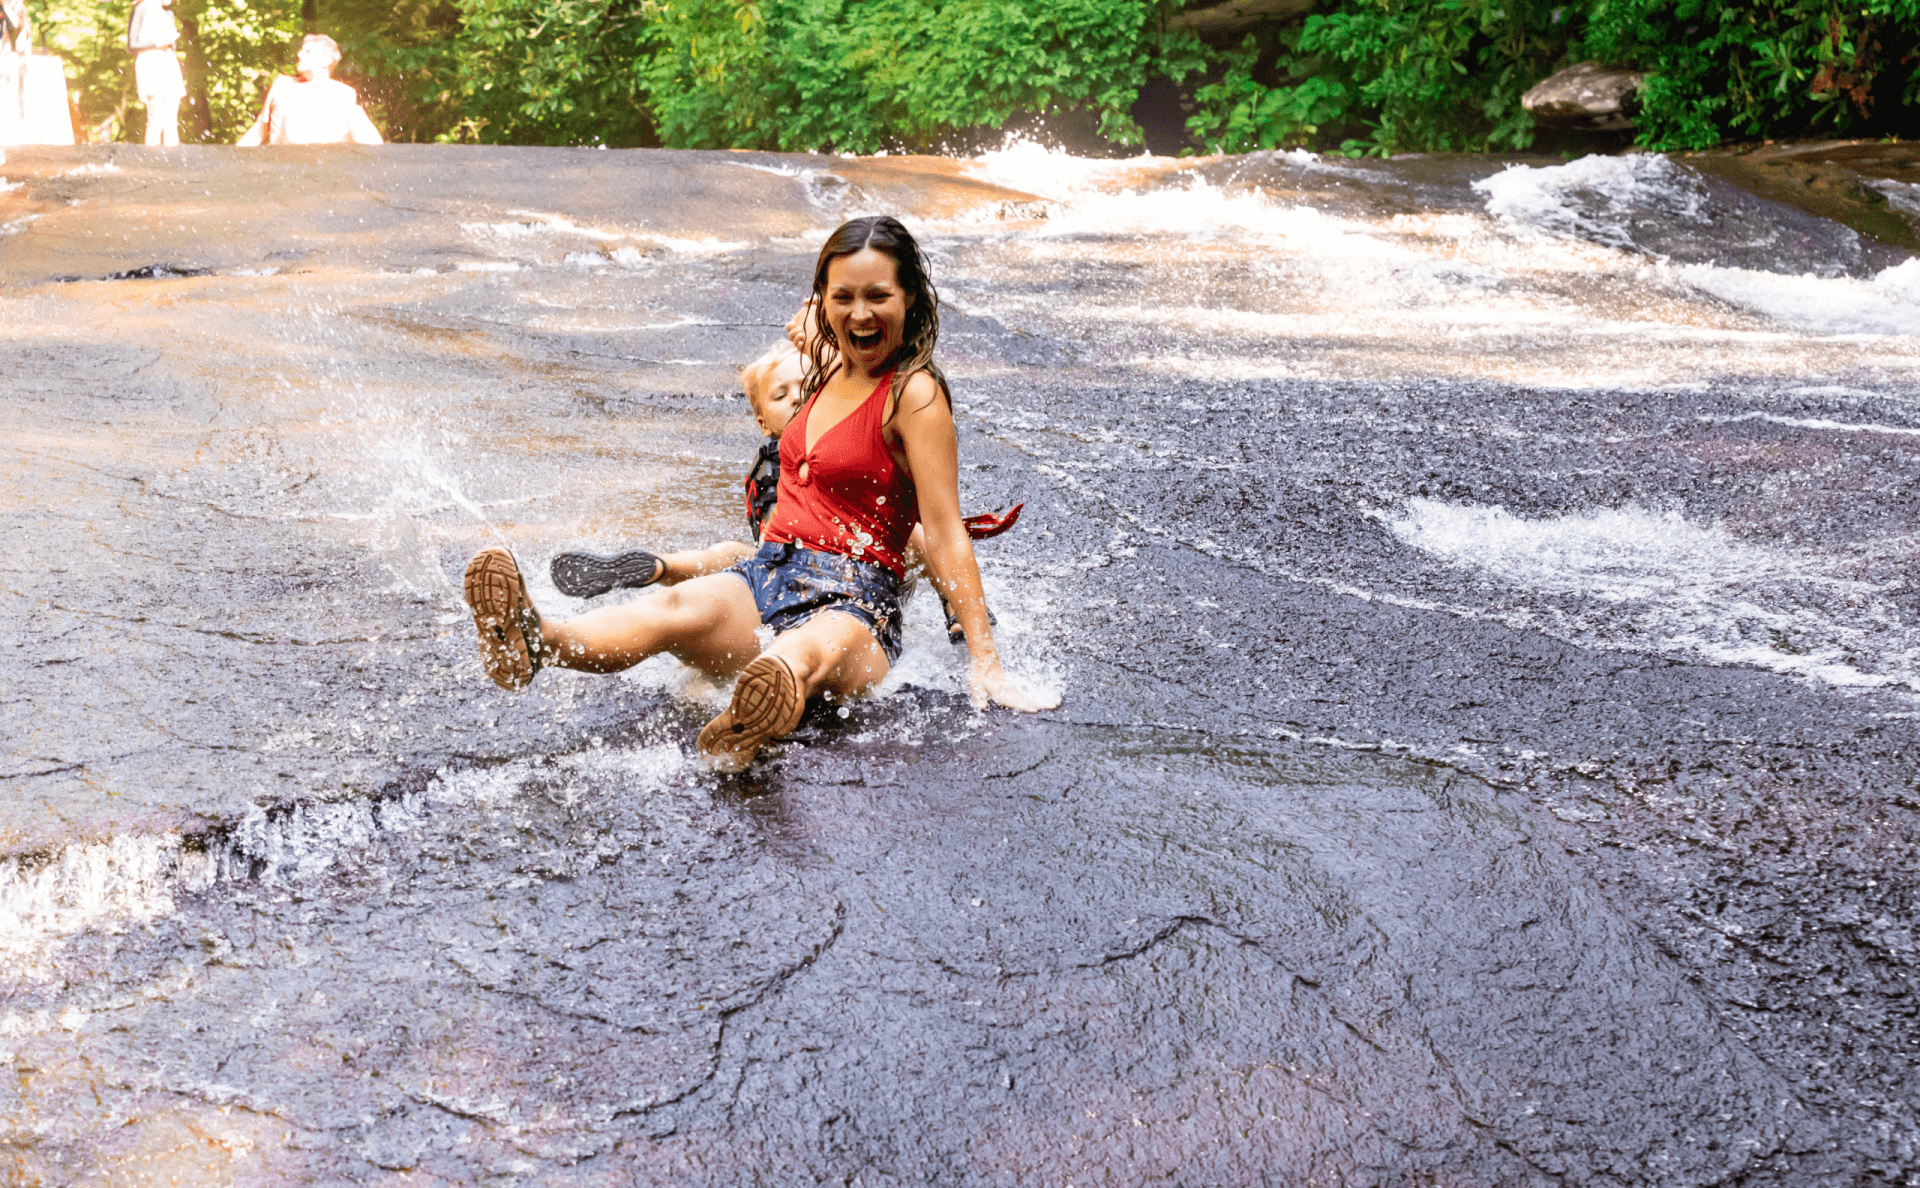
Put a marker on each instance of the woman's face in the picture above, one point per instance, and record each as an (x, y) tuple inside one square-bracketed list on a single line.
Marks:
[(866, 308)]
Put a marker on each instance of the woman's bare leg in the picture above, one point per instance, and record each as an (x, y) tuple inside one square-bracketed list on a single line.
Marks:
[(829, 653), (832, 652), (163, 119), (708, 622)]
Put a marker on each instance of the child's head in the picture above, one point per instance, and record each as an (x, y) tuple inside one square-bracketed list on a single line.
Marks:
[(775, 384)]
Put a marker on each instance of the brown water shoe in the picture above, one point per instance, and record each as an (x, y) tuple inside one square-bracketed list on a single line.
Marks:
[(509, 627), (766, 704)]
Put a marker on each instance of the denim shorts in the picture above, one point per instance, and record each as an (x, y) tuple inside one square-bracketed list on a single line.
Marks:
[(791, 584)]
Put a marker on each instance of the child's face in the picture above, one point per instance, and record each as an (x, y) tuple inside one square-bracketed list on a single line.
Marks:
[(782, 396)]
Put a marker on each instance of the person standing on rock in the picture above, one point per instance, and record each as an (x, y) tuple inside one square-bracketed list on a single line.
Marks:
[(314, 108), (871, 453), (16, 28), (157, 80), (16, 42)]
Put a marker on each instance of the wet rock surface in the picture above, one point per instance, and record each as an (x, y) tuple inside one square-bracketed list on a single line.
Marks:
[(1460, 778)]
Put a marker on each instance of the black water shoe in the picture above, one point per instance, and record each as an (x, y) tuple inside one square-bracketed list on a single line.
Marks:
[(587, 575)]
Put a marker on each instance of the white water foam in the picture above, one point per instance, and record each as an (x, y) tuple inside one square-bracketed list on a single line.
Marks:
[(1530, 291), (128, 880), (1889, 304), (1550, 199), (1035, 169), (534, 227), (1820, 424), (1657, 581), (1595, 198), (1021, 604), (1126, 198), (131, 880)]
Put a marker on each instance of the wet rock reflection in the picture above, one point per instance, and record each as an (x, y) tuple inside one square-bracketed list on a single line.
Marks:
[(1138, 951)]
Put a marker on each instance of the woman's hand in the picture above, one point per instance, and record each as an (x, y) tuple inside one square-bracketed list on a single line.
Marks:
[(991, 685)]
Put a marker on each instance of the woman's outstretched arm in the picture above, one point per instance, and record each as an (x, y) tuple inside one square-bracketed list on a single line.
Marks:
[(925, 425)]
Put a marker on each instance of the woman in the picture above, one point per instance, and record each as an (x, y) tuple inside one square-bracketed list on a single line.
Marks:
[(16, 43), (151, 34), (870, 454)]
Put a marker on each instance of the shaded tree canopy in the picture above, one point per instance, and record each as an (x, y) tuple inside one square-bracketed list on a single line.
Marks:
[(1357, 76)]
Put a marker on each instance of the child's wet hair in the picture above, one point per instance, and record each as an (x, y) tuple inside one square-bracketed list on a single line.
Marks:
[(756, 378), (763, 384)]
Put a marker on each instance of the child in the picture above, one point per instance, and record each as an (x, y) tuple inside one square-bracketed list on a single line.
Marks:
[(773, 384)]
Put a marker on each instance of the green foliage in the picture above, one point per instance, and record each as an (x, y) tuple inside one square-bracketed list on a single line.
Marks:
[(396, 52), (804, 74), (92, 39), (549, 72), (1720, 70), (234, 50), (1441, 74), (1433, 75), (1239, 115), (1356, 76), (1420, 75)]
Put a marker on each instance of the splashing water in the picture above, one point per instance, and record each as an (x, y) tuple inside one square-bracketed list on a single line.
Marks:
[(1643, 579)]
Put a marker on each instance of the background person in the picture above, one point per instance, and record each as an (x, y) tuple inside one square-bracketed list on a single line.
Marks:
[(314, 108), (16, 42), (151, 34)]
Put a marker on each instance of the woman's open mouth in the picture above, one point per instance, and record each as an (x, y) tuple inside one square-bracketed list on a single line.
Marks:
[(864, 340)]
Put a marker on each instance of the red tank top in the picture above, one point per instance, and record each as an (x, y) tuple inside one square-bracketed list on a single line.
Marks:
[(854, 501)]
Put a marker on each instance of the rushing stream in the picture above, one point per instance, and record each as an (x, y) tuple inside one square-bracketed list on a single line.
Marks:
[(1485, 597)]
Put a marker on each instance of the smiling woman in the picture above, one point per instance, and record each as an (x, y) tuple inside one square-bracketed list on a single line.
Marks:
[(871, 453)]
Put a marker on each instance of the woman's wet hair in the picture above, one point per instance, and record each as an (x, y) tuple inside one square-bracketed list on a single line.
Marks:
[(887, 235)]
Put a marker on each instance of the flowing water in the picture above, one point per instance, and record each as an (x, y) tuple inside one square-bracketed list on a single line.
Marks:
[(1483, 593)]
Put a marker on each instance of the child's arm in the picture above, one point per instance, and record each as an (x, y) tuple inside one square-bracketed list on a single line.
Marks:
[(803, 331), (680, 567)]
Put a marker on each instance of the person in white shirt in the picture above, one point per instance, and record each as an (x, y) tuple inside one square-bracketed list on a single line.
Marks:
[(16, 28), (314, 108), (151, 34)]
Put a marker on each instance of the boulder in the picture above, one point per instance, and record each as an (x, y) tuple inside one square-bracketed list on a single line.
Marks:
[(1586, 95)]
